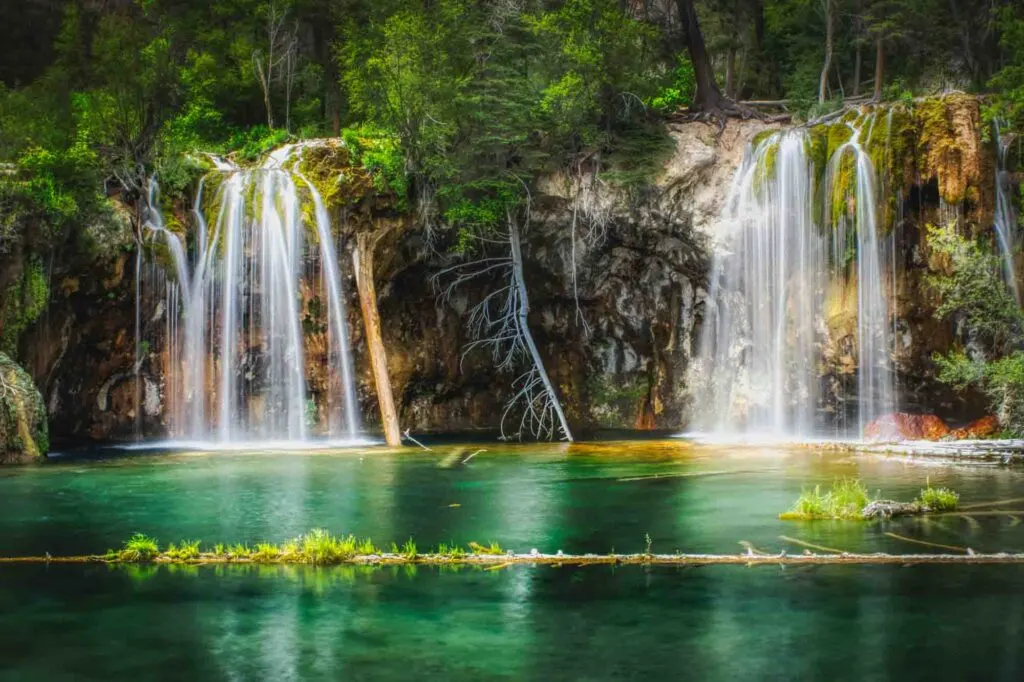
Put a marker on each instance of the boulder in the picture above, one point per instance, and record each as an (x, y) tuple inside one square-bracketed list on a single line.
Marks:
[(23, 427), (901, 426), (986, 427)]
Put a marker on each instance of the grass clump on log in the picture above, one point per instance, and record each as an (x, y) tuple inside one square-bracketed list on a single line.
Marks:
[(848, 500), (139, 547), (845, 500), (939, 499)]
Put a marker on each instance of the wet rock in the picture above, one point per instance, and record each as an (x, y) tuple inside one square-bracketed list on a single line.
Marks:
[(979, 428), (23, 426), (901, 426)]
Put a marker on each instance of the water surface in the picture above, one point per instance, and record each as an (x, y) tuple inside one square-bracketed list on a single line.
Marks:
[(718, 622)]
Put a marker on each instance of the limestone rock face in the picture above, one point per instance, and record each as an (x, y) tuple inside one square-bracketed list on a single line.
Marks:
[(23, 426), (617, 282)]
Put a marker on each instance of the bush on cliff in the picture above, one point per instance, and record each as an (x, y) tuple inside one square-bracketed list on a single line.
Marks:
[(967, 277), (23, 426)]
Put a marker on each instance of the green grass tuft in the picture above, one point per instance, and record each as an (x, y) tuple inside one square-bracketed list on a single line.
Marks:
[(186, 550), (845, 500), (451, 551), (140, 547), (493, 548), (939, 499)]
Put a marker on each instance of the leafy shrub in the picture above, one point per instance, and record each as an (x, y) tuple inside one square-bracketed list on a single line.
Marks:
[(678, 94)]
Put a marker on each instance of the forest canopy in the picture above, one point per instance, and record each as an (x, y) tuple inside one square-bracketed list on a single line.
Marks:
[(479, 97)]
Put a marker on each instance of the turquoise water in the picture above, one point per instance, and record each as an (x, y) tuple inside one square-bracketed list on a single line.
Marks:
[(720, 622)]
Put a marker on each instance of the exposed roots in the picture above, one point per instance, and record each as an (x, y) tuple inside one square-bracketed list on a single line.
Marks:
[(498, 323)]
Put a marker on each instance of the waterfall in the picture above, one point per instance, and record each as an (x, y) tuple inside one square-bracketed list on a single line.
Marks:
[(874, 333), (244, 308), (759, 366), (758, 348), (1005, 217)]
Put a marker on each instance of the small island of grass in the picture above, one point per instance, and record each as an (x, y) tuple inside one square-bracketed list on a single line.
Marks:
[(849, 499)]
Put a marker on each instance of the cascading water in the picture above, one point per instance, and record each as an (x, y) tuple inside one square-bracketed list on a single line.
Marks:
[(237, 365), (1005, 216), (759, 342), (758, 371), (875, 393)]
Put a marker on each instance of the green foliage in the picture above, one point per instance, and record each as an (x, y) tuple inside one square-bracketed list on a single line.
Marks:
[(252, 143), (23, 302), (380, 153), (966, 275), (679, 94), (938, 499), (968, 279), (845, 500), (1008, 82)]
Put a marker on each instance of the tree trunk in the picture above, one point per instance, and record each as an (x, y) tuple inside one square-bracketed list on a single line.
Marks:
[(879, 67), (829, 39), (730, 72), (858, 29), (708, 96), (856, 72), (524, 327), (365, 244)]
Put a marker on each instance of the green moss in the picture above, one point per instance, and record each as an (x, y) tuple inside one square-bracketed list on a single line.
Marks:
[(756, 141), (767, 160), (24, 301), (842, 190), (838, 135), (817, 150)]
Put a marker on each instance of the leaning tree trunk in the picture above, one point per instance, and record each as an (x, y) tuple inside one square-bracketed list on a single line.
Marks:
[(829, 37), (524, 329), (879, 67), (365, 244)]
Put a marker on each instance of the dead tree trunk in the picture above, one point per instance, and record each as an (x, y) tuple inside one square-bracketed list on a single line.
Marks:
[(365, 245), (524, 329)]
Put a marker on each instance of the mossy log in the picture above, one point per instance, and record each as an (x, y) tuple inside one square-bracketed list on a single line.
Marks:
[(538, 559)]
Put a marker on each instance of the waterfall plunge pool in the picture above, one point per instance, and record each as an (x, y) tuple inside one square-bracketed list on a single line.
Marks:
[(290, 622)]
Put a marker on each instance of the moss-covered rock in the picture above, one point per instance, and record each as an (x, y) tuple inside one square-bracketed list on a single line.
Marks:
[(23, 424)]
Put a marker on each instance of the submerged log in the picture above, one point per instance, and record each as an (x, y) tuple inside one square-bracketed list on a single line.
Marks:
[(886, 509)]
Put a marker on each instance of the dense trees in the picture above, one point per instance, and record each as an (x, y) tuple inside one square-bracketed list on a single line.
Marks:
[(478, 98)]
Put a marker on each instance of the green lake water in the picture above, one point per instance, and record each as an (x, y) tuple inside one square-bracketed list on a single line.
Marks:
[(522, 622)]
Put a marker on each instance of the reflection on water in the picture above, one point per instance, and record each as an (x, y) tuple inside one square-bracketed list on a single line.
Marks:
[(293, 622), (865, 623), (578, 498)]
